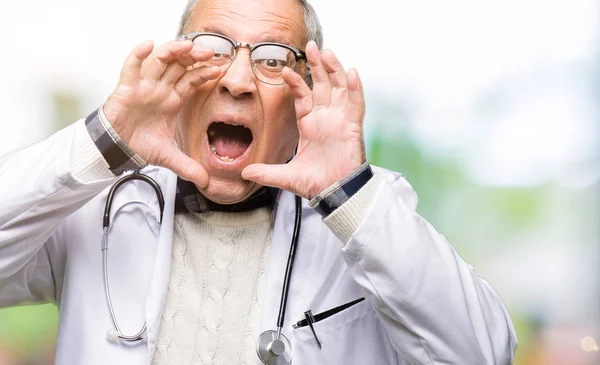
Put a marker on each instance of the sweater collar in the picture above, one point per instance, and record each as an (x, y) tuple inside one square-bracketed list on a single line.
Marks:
[(189, 199)]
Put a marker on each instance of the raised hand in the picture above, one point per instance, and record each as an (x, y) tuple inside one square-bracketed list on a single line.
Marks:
[(143, 109), (330, 118)]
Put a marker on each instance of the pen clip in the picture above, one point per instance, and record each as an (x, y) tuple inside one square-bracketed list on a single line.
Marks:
[(310, 319)]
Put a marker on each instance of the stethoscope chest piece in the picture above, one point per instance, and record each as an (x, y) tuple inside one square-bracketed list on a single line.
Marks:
[(272, 350)]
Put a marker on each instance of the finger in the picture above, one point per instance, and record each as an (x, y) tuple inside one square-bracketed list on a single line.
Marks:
[(199, 57), (173, 72), (185, 59), (303, 99), (195, 55), (356, 95), (337, 77), (195, 78), (133, 63), (176, 69), (185, 167), (321, 83), (202, 54), (156, 64), (277, 176)]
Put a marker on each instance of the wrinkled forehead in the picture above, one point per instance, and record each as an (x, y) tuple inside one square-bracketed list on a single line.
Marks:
[(251, 21)]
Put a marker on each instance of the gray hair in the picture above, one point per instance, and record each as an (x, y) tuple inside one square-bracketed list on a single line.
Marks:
[(314, 32)]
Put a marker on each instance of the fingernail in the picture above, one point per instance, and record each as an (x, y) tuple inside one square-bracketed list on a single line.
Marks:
[(176, 48), (334, 56), (146, 43), (293, 81)]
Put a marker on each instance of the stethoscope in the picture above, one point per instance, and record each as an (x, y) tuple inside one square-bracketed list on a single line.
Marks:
[(115, 333), (272, 347)]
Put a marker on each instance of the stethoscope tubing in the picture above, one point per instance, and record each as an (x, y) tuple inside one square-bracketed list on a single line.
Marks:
[(106, 228), (290, 265), (272, 347), (136, 175)]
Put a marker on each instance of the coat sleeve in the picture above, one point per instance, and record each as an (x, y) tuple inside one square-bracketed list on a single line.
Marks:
[(39, 189), (434, 306)]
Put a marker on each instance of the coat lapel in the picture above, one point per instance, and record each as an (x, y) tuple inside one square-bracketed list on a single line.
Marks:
[(310, 235), (162, 262), (280, 247)]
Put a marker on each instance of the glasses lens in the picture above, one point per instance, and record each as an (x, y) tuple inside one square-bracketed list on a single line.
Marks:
[(224, 51), (268, 62)]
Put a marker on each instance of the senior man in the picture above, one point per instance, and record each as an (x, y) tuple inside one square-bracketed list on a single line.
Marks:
[(225, 122)]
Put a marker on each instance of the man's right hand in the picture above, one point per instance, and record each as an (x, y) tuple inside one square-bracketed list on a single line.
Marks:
[(143, 109)]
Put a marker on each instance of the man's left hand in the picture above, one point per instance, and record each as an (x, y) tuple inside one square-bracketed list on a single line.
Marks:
[(330, 118)]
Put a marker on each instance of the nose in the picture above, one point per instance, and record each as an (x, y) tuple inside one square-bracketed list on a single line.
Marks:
[(239, 80)]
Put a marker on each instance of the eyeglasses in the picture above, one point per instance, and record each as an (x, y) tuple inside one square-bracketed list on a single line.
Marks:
[(267, 58)]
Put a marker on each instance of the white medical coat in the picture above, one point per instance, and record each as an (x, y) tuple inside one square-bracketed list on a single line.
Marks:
[(424, 304)]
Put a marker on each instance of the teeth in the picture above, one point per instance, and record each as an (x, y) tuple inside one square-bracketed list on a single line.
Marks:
[(235, 124), (224, 158)]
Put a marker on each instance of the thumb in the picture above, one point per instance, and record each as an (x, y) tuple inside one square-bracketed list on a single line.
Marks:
[(278, 176), (185, 167)]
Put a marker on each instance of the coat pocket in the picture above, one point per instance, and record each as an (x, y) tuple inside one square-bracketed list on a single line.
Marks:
[(328, 313), (351, 336)]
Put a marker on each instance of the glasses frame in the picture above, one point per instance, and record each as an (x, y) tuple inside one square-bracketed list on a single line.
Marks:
[(298, 54)]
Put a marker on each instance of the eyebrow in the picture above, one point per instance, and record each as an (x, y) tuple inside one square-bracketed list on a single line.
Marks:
[(265, 38)]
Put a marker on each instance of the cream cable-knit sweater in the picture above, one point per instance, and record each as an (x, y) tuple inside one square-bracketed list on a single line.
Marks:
[(213, 304)]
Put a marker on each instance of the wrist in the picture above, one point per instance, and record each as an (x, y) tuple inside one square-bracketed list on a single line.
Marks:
[(119, 156), (330, 179), (341, 191), (110, 114)]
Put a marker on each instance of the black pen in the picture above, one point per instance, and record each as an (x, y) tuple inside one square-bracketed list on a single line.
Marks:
[(310, 319)]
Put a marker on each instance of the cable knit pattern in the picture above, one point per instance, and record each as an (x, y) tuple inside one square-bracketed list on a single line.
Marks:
[(213, 306)]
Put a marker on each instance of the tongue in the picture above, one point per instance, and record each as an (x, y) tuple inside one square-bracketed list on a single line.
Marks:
[(230, 147)]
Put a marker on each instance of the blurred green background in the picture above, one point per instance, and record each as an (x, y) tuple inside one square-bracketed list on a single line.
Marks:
[(490, 109)]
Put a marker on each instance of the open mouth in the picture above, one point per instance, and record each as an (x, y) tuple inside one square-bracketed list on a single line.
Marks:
[(228, 141)]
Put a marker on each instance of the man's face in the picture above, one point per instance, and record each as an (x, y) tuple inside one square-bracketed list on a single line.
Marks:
[(207, 129)]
